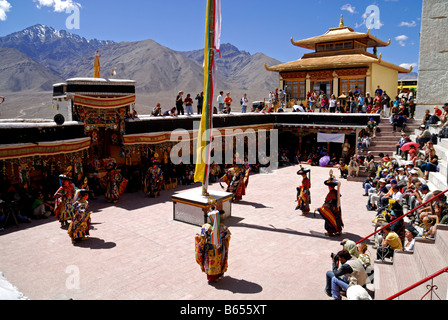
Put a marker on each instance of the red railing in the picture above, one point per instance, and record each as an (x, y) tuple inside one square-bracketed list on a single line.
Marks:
[(431, 287), (402, 217)]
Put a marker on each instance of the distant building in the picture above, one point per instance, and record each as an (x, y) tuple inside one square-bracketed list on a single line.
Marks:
[(433, 65), (339, 64)]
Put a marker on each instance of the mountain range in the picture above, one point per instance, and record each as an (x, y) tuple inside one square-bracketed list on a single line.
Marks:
[(32, 60)]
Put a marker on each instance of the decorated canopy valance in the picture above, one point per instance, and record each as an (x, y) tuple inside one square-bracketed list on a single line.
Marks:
[(43, 148), (103, 103), (190, 135)]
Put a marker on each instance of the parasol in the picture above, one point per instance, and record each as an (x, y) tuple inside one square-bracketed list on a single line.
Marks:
[(408, 145), (324, 161)]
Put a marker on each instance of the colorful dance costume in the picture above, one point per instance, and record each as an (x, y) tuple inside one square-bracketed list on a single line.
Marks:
[(304, 192), (80, 225), (63, 205), (331, 210), (212, 248)]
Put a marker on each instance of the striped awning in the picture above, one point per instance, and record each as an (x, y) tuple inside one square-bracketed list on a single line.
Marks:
[(43, 148), (161, 137), (103, 103)]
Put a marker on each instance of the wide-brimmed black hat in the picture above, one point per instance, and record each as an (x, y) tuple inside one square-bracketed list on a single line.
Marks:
[(303, 171), (331, 182)]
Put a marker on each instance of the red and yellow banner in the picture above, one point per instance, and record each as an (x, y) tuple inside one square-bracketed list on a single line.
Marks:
[(43, 148), (103, 103), (212, 44)]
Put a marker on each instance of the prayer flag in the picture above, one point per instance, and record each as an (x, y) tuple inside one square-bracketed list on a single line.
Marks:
[(212, 44), (97, 66)]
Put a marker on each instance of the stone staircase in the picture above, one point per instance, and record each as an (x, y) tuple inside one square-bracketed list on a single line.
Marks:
[(408, 268), (438, 180), (384, 142)]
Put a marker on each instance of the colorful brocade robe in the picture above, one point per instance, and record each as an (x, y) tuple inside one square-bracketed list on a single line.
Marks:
[(331, 212), (304, 196), (212, 260), (80, 225), (115, 185), (63, 207)]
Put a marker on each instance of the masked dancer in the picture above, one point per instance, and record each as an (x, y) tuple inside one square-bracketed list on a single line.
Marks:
[(304, 191), (212, 245), (80, 225), (64, 199), (114, 183), (331, 210), (153, 181)]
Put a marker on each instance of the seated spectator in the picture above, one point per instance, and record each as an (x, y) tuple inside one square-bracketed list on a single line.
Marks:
[(404, 139), (426, 117), (423, 137), (390, 243), (369, 183), (437, 209), (398, 121), (413, 155), (376, 194), (284, 160), (369, 163), (422, 196), (343, 170), (443, 117), (363, 256), (371, 127), (430, 165), (401, 177), (435, 117), (410, 235), (353, 166), (40, 208), (171, 113), (393, 194), (157, 111)]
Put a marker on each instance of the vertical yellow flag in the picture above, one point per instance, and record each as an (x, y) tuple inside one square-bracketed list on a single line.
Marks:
[(212, 43), (97, 66)]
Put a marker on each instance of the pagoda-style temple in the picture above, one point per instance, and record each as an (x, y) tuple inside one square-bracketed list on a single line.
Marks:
[(339, 64)]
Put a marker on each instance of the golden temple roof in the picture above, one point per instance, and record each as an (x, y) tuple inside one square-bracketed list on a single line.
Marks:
[(334, 62), (341, 33)]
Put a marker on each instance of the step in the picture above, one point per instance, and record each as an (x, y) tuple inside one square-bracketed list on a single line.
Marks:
[(439, 180), (442, 239), (441, 152), (385, 282), (430, 260), (407, 274), (443, 143)]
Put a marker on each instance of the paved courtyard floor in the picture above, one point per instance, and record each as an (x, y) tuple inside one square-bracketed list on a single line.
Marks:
[(138, 252)]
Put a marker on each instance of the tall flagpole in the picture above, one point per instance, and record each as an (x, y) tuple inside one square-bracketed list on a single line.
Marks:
[(204, 139)]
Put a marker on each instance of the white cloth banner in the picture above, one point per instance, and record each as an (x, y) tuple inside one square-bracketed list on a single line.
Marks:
[(329, 137)]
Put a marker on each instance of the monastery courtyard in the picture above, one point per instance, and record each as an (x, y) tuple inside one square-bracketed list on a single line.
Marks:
[(138, 252)]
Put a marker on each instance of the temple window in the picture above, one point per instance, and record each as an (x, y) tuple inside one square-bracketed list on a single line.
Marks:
[(337, 46), (348, 85), (296, 89)]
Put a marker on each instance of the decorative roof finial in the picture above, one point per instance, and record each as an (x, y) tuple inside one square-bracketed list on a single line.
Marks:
[(341, 23)]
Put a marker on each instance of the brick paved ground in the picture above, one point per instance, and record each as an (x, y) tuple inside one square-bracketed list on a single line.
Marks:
[(137, 251)]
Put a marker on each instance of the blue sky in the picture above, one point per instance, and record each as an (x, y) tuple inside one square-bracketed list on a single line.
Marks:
[(252, 25)]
